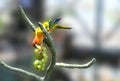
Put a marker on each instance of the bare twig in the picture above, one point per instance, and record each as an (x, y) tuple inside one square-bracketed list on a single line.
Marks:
[(18, 70), (51, 46), (27, 19), (71, 66)]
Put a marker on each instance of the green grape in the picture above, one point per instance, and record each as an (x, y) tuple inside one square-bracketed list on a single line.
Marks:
[(43, 60), (36, 51), (35, 63), (39, 56), (45, 57), (43, 66), (39, 67), (39, 64), (44, 49)]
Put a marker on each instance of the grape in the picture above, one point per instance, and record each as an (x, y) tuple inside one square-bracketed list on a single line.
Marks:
[(43, 66), (38, 56), (36, 62), (41, 58), (36, 51), (45, 56), (39, 67)]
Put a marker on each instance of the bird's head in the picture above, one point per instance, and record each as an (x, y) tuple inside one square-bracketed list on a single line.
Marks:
[(39, 36)]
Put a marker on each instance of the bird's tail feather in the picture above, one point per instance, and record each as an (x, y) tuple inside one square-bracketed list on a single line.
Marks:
[(62, 27)]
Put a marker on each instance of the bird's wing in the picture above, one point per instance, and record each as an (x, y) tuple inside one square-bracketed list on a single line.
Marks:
[(53, 22)]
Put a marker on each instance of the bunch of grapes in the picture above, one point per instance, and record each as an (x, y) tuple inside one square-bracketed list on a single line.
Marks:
[(40, 58)]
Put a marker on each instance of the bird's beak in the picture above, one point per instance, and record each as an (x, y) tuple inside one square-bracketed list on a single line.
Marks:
[(35, 41)]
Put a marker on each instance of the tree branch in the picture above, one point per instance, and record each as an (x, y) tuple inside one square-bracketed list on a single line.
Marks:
[(18, 70), (27, 19), (51, 46), (71, 66)]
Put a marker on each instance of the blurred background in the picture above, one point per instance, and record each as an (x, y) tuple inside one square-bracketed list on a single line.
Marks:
[(95, 33)]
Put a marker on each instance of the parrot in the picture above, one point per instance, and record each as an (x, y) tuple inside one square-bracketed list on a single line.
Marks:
[(49, 25), (53, 24), (38, 38)]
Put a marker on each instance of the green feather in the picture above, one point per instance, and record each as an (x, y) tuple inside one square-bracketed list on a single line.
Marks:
[(62, 27)]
